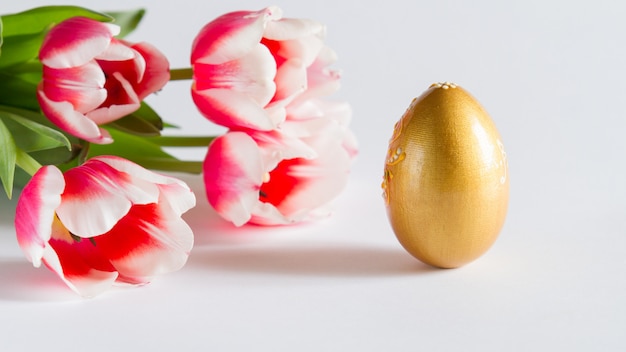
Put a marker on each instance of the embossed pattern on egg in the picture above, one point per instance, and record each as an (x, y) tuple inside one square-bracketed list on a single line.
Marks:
[(446, 181)]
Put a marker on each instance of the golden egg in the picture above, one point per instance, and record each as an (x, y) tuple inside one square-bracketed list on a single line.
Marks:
[(446, 182)]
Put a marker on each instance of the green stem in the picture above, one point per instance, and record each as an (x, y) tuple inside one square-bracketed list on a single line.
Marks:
[(178, 74), (181, 141), (26, 162), (191, 167)]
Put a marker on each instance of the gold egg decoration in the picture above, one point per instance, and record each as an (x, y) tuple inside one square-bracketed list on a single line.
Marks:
[(446, 181)]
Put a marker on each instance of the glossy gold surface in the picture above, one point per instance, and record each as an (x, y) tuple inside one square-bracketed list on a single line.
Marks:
[(446, 182)]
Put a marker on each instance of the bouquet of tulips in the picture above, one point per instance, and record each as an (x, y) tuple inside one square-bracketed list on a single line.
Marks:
[(88, 156)]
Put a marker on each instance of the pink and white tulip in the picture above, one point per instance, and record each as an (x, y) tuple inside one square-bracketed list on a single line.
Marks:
[(314, 117), (108, 220), (270, 178), (249, 65), (91, 78)]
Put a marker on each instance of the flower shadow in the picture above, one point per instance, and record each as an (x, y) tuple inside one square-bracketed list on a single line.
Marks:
[(314, 261), (22, 282)]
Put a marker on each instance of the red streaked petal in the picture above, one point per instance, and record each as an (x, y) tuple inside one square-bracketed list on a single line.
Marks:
[(156, 73), (173, 191), (83, 86), (319, 180), (121, 100), (146, 242), (35, 211), (232, 109), (112, 113), (296, 187), (80, 266), (97, 196), (305, 48), (252, 75), (233, 173), (231, 36), (283, 179), (71, 121), (75, 42)]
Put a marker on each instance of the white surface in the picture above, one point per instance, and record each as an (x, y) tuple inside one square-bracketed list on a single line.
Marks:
[(551, 74)]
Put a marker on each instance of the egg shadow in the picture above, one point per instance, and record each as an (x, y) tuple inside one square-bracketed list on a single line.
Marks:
[(314, 261)]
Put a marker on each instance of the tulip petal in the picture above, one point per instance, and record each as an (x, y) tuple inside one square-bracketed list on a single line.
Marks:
[(232, 109), (252, 75), (320, 179), (291, 79), (76, 41), (63, 115), (313, 116), (267, 214), (78, 262), (173, 191), (81, 278), (35, 211), (276, 146), (299, 186), (83, 86), (116, 51), (329, 175), (121, 101), (293, 28), (160, 243), (156, 73), (305, 48), (97, 196), (231, 36), (325, 58), (233, 173)]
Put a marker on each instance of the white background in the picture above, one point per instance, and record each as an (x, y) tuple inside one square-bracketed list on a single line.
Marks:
[(551, 74)]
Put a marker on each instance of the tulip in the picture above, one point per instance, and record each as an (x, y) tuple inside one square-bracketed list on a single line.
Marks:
[(270, 178), (108, 220), (311, 118), (248, 66), (91, 78)]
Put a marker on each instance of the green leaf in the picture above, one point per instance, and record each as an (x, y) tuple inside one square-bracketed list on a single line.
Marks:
[(148, 114), (18, 91), (127, 20), (38, 19), (34, 116), (21, 178), (128, 146), (61, 148), (26, 162), (34, 136), (143, 122), (20, 49), (8, 152), (135, 125), (55, 156), (143, 152)]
